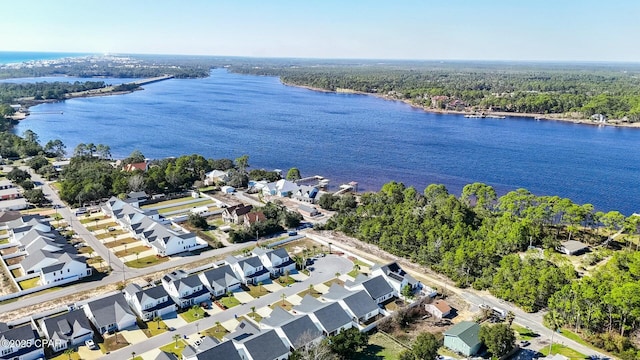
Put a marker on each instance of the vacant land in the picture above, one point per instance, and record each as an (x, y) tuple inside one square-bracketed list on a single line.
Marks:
[(380, 347)]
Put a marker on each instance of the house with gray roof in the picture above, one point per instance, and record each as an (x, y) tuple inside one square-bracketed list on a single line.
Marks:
[(165, 356), (265, 345), (186, 291), (277, 261), (377, 287), (308, 304), (249, 270), (463, 338), (206, 343), (111, 313), (299, 332), (360, 306), (396, 276), (226, 350), (306, 193), (69, 329), (235, 214), (277, 317), (20, 343), (336, 292), (242, 331), (150, 302), (332, 319), (220, 280)]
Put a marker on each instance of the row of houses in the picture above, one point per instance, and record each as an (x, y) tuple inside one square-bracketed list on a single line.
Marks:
[(11, 197), (354, 305), (146, 225), (42, 252)]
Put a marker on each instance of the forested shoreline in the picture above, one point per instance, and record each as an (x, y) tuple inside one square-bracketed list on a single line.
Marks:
[(508, 245)]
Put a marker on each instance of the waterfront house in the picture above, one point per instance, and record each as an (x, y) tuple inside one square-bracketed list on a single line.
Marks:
[(149, 303), (185, 290), (439, 309), (215, 177), (235, 214), (139, 166), (276, 261), (249, 270), (20, 343), (220, 280), (67, 330), (227, 189), (111, 313), (306, 193), (463, 338), (281, 188)]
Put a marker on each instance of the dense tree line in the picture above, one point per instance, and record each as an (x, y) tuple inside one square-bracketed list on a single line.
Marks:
[(478, 240), (10, 92), (523, 88)]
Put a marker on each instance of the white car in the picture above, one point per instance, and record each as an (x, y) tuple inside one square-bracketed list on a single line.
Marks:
[(90, 344)]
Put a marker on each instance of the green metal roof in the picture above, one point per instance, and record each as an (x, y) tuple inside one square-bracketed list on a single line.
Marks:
[(467, 331)]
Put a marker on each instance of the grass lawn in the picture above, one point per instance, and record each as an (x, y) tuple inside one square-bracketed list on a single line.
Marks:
[(286, 280), (131, 251), (167, 202), (562, 350), (110, 343), (119, 242), (523, 333), (315, 293), (146, 261), (285, 305), (257, 291), (86, 250), (101, 226), (93, 219), (575, 337), (94, 260), (217, 332), (3, 232), (154, 328), (110, 234), (16, 273), (63, 356), (186, 206), (229, 301), (380, 347), (28, 284), (171, 348), (353, 273), (334, 281), (4, 241), (192, 315)]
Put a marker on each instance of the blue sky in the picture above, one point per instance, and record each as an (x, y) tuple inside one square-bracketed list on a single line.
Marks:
[(560, 30)]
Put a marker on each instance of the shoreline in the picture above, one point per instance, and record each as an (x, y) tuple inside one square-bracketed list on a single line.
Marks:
[(537, 117)]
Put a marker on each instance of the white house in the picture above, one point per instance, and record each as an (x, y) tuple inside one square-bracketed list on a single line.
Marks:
[(68, 268), (332, 319), (185, 290), (220, 280), (146, 226), (438, 309), (306, 193), (359, 306), (248, 270), (19, 343), (215, 176), (111, 313), (150, 302), (69, 329), (282, 188), (398, 278), (276, 261)]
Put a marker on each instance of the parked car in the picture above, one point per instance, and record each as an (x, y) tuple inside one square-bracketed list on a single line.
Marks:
[(111, 228), (293, 233), (90, 344)]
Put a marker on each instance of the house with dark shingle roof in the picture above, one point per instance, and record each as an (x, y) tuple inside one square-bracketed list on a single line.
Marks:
[(277, 317), (265, 345), (307, 305), (223, 351), (360, 306), (149, 303), (110, 313), (235, 214), (220, 280), (332, 319), (396, 276), (242, 331), (252, 218), (377, 287), (186, 290), (20, 343), (299, 332), (463, 338), (69, 329)]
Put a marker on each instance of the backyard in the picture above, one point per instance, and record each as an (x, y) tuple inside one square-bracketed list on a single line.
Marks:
[(119, 242), (380, 347), (146, 261)]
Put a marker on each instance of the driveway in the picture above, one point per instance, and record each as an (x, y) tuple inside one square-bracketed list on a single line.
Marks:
[(174, 320), (134, 335), (87, 354), (273, 287), (243, 297)]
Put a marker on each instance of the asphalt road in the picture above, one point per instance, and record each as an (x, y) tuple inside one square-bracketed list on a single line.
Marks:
[(326, 268)]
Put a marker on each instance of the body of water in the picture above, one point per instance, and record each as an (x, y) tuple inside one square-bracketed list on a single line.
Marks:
[(11, 57), (349, 137)]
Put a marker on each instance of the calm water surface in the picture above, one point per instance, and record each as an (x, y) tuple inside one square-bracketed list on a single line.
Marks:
[(352, 137)]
